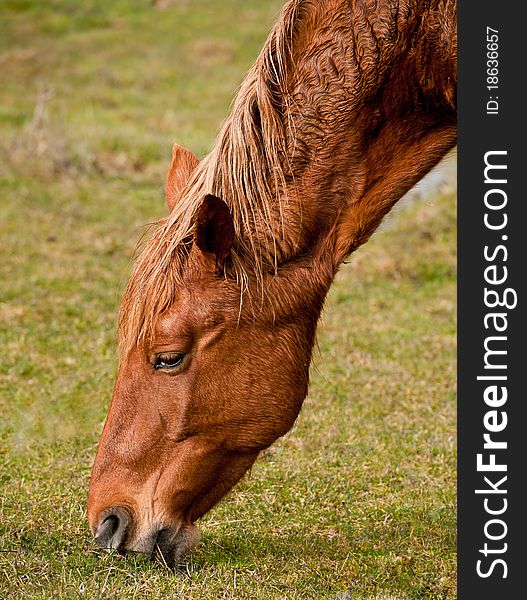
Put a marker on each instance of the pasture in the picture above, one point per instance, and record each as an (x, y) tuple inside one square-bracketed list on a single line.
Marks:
[(358, 500)]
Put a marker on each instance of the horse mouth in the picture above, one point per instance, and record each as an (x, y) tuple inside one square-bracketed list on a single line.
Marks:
[(169, 547), (169, 544)]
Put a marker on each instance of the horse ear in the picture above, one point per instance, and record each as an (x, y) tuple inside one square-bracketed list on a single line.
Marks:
[(181, 168), (214, 231)]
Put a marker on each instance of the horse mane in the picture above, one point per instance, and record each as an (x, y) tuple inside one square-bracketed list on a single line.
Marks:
[(248, 169), (259, 153)]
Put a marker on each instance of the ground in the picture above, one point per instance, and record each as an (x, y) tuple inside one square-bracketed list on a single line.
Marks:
[(358, 499)]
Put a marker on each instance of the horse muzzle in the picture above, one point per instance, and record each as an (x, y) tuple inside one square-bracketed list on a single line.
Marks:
[(167, 544)]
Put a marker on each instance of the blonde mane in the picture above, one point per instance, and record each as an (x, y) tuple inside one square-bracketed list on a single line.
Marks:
[(371, 92), (248, 169)]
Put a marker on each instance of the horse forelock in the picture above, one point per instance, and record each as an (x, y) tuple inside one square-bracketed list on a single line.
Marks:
[(249, 170)]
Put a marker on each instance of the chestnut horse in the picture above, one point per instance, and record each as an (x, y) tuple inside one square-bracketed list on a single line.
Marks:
[(348, 105)]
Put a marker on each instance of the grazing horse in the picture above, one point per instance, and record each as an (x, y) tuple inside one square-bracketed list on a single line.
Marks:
[(348, 105)]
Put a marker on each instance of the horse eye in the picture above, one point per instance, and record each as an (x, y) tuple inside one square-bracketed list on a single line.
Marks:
[(168, 361)]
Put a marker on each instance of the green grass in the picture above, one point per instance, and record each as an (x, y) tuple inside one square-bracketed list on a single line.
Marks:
[(360, 496)]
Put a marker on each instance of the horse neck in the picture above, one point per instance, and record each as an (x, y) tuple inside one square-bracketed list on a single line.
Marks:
[(372, 110)]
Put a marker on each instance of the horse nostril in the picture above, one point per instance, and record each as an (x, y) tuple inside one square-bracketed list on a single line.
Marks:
[(111, 533)]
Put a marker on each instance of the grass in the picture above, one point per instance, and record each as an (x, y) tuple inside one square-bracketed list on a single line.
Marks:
[(359, 498)]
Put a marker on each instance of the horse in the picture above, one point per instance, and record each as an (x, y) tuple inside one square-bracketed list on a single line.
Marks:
[(348, 105)]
